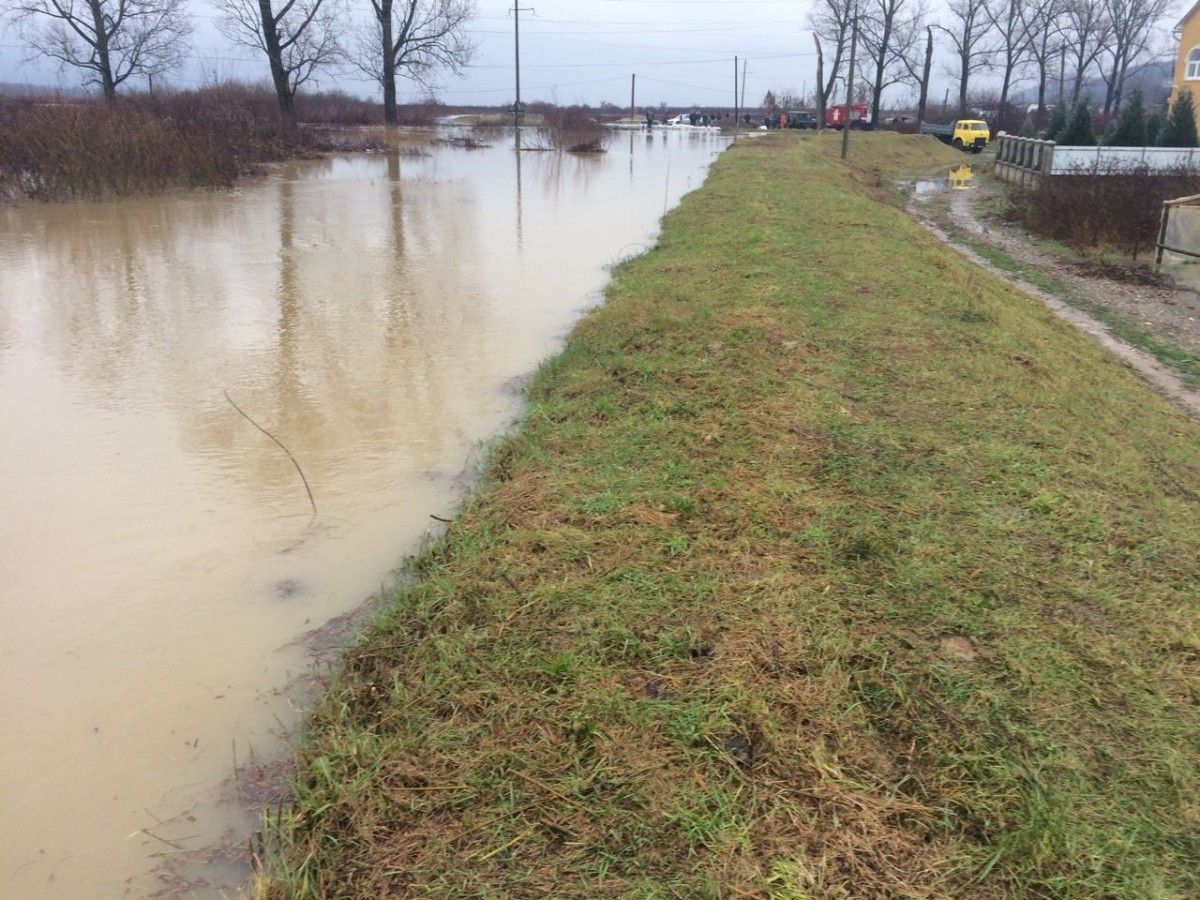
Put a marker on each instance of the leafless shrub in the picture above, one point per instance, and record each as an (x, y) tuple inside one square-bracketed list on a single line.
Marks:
[(573, 130), (88, 150), (146, 143), (420, 114), (462, 142), (336, 108), (1090, 209)]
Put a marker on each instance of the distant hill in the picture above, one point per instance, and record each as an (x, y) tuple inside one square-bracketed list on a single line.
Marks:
[(40, 91), (1155, 80)]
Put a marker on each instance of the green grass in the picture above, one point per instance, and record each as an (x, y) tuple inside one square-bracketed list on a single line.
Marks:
[(823, 565), (1183, 361)]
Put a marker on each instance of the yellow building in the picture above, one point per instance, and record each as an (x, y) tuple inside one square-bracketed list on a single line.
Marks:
[(1187, 60)]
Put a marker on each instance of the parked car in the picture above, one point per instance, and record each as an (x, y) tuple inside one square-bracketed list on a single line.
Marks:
[(802, 119)]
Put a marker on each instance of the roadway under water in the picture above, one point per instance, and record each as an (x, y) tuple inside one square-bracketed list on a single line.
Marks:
[(161, 571)]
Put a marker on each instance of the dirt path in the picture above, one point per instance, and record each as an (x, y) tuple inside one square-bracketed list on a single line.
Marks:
[(1167, 312)]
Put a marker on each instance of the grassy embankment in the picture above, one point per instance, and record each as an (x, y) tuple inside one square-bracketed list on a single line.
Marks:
[(1182, 360), (824, 564)]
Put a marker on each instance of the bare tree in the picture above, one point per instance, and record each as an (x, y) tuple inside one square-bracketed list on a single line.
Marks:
[(413, 38), (1012, 36), (110, 41), (1086, 29), (820, 95), (923, 100), (889, 31), (1133, 24), (968, 33), (1043, 26), (299, 38), (831, 21)]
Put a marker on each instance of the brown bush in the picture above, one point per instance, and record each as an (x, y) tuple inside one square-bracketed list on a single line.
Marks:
[(144, 144), (1091, 209), (573, 129), (337, 108), (85, 149)]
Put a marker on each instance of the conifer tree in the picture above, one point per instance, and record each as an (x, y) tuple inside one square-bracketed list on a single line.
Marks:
[(1180, 129), (1129, 130), (1154, 128), (1057, 123), (1079, 131)]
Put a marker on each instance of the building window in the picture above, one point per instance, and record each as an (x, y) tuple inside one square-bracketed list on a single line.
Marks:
[(1193, 65)]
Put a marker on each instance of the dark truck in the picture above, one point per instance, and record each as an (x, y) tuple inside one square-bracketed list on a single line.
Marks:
[(801, 120), (965, 134)]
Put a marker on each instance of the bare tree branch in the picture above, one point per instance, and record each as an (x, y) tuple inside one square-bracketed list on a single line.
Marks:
[(298, 37), (1086, 29), (969, 35), (889, 33), (830, 20), (109, 41), (1012, 36), (1043, 21), (1133, 26), (413, 38)]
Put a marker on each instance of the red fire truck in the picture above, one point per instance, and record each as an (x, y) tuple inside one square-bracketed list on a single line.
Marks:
[(860, 116)]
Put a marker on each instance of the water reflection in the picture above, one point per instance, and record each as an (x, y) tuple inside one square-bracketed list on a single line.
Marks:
[(961, 177), (517, 156), (369, 313)]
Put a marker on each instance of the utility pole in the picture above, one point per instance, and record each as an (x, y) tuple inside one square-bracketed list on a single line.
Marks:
[(632, 103), (518, 108), (737, 118), (745, 66), (850, 86)]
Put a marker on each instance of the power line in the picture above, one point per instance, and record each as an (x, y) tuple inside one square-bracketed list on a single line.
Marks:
[(669, 62)]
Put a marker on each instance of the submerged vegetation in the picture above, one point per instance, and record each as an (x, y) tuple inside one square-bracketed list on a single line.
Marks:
[(144, 144), (573, 130), (823, 564)]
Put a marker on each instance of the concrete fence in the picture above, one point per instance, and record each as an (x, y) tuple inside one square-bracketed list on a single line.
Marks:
[(1023, 160), (1026, 160)]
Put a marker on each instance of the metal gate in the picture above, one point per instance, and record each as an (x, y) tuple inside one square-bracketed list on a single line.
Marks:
[(1180, 228)]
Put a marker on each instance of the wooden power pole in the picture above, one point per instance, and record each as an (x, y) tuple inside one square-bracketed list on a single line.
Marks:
[(737, 117), (518, 109)]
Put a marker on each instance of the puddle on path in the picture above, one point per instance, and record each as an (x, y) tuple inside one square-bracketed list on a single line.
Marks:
[(958, 178)]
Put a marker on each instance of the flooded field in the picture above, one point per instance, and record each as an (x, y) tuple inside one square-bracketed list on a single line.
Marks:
[(162, 572)]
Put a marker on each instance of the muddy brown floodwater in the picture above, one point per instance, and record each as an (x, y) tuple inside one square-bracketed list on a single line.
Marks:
[(158, 568)]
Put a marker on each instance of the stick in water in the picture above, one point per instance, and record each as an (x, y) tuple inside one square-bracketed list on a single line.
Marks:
[(279, 443)]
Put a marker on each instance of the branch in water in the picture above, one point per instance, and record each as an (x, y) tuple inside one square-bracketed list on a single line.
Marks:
[(279, 443)]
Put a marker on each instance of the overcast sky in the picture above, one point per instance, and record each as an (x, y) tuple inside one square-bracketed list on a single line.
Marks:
[(571, 51)]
